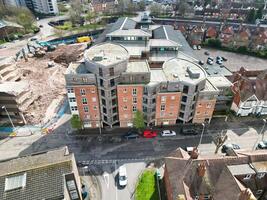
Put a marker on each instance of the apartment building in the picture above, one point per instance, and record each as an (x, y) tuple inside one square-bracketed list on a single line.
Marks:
[(127, 74), (43, 6)]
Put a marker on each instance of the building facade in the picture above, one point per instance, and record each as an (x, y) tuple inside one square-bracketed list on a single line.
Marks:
[(151, 71)]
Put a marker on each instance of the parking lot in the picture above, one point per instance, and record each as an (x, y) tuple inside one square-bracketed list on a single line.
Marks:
[(234, 60)]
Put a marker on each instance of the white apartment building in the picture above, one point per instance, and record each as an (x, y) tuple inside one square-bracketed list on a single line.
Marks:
[(45, 6)]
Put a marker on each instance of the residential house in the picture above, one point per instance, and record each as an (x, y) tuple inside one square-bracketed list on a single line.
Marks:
[(211, 33), (242, 37), (44, 175), (259, 39), (196, 35), (8, 28), (227, 36), (250, 95), (238, 177), (101, 6)]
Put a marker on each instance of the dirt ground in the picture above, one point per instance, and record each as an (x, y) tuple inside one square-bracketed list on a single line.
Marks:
[(234, 61), (46, 85)]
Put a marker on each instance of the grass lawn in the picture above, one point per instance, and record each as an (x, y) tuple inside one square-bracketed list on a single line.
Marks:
[(147, 187)]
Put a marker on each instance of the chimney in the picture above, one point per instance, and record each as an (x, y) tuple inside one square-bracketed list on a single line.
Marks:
[(194, 154), (201, 169)]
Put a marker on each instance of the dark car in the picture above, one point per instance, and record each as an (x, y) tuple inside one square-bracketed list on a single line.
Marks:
[(207, 53), (224, 59), (189, 131), (262, 145), (132, 134), (201, 62), (227, 147)]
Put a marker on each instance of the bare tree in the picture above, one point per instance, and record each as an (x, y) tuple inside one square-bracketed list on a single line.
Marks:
[(219, 140)]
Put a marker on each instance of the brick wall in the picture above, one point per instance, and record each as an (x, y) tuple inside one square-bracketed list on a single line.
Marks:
[(91, 95), (171, 104), (204, 110), (125, 102)]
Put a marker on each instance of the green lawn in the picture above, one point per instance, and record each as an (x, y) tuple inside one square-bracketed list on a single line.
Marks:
[(147, 187)]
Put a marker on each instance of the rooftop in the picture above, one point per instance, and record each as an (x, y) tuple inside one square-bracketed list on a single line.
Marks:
[(178, 69), (217, 70), (130, 32), (240, 169), (14, 88), (123, 23), (209, 86), (162, 43), (157, 75), (219, 81), (106, 54), (137, 66)]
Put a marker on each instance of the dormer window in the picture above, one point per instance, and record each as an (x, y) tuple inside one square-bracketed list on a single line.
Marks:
[(247, 177)]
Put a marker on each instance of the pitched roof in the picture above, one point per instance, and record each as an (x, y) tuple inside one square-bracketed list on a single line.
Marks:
[(123, 23), (167, 32), (44, 175)]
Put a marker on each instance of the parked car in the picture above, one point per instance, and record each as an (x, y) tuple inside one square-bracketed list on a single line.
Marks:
[(262, 145), (132, 134), (41, 26), (201, 62), (219, 62), (33, 39), (167, 133), (210, 62), (198, 47), (194, 47), (189, 131), (207, 53), (227, 147), (122, 176), (2, 46), (149, 134), (210, 58)]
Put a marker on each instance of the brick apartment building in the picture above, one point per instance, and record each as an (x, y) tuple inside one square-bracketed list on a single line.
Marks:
[(153, 71)]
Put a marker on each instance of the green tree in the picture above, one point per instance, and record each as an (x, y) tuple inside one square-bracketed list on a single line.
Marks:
[(183, 8), (138, 121), (214, 43), (259, 13), (76, 122), (251, 16), (75, 13), (90, 17), (155, 9), (219, 140), (25, 18), (62, 8), (142, 5)]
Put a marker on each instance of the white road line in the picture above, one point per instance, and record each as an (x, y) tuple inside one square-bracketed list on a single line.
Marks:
[(106, 179)]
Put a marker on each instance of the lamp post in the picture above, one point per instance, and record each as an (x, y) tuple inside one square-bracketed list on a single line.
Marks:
[(84, 168), (262, 130), (4, 107), (200, 140)]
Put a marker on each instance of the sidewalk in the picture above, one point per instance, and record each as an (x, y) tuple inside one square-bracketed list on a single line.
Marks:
[(92, 187)]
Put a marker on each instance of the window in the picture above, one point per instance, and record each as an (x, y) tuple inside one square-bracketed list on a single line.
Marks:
[(134, 109), (84, 79), (95, 107), (113, 92), (114, 110), (134, 91), (260, 175), (103, 102), (86, 109), (93, 99), (184, 99), (72, 99), (162, 107), (70, 90), (247, 177), (93, 90), (82, 91), (74, 108), (84, 100), (124, 99), (101, 82), (181, 115), (124, 90), (104, 110), (199, 105), (111, 71), (208, 105), (163, 99), (100, 72), (134, 100), (172, 97), (198, 112), (125, 107), (114, 102), (153, 100), (185, 89), (196, 88), (102, 93), (182, 107), (15, 182), (112, 82)]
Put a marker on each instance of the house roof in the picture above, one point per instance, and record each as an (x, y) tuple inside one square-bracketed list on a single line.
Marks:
[(44, 175), (168, 33), (218, 181)]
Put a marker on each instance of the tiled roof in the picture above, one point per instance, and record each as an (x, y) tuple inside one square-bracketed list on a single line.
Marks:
[(44, 175)]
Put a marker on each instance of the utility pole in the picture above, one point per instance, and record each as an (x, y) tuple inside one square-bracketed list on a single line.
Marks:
[(201, 136)]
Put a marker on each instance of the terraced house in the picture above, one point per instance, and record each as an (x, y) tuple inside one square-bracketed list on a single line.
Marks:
[(152, 70)]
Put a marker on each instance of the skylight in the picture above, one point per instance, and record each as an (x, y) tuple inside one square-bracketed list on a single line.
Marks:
[(15, 182)]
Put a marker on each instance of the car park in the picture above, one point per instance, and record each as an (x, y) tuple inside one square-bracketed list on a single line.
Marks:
[(227, 147), (149, 134), (122, 176), (167, 133), (132, 134), (262, 145)]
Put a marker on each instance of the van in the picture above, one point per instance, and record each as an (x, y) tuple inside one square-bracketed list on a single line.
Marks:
[(122, 176)]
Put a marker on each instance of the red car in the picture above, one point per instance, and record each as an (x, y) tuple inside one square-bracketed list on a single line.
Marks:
[(149, 134)]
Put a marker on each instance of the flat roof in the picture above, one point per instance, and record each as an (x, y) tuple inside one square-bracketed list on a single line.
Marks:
[(178, 69), (157, 75), (217, 70), (240, 169), (137, 66), (130, 32), (106, 54), (134, 49), (209, 86), (219, 81), (14, 88)]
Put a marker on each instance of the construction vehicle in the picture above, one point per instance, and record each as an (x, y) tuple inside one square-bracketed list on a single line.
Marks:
[(84, 39)]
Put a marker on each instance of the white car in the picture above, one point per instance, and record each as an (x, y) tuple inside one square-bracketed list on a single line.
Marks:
[(122, 176), (194, 47), (167, 133), (198, 47)]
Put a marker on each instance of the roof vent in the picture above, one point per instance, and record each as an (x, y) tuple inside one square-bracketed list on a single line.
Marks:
[(193, 73), (175, 75), (97, 58), (186, 75)]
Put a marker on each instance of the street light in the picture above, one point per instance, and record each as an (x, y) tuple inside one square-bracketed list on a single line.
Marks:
[(85, 167), (262, 130), (4, 107), (200, 140)]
